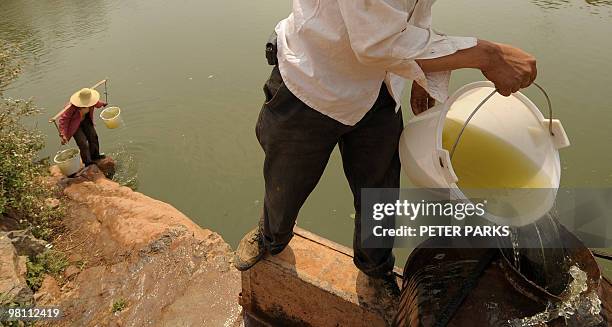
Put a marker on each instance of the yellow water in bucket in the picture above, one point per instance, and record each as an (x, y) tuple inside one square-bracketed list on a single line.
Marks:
[(488, 167), (484, 161), (111, 117)]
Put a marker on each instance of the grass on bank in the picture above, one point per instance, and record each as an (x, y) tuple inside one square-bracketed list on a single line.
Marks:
[(119, 305), (23, 194), (50, 262)]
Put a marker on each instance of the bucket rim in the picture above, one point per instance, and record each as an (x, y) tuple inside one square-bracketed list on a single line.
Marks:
[(105, 110), (483, 84), (62, 151)]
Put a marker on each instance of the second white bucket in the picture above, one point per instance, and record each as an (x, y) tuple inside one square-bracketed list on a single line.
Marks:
[(69, 161), (514, 119)]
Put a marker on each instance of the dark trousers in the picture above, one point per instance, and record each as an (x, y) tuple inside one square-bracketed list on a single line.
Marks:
[(298, 141), (87, 140)]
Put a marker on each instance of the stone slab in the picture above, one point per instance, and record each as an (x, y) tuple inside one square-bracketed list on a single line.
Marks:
[(314, 282)]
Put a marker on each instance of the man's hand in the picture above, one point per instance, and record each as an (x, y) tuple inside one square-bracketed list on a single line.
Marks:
[(64, 140), (420, 100), (509, 68)]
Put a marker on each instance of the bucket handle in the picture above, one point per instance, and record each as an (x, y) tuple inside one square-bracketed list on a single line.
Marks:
[(550, 115)]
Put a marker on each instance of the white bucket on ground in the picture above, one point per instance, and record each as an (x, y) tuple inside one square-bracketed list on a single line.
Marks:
[(111, 117), (69, 161), (513, 125)]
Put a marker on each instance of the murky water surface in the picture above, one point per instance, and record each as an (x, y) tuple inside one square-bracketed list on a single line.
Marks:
[(188, 78)]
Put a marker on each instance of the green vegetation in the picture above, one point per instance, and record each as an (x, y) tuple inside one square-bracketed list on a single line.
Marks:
[(50, 262), (81, 264), (22, 195), (119, 305)]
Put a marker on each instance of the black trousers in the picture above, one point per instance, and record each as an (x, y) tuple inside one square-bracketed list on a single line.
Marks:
[(298, 141), (87, 140)]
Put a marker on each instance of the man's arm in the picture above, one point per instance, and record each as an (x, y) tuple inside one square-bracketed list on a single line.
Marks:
[(100, 104), (509, 68), (380, 37)]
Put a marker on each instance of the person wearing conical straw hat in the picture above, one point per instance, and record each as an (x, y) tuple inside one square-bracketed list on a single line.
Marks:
[(77, 122)]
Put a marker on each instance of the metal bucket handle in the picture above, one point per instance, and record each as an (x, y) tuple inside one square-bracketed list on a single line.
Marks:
[(550, 115)]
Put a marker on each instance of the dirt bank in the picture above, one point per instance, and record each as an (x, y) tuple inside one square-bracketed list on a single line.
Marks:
[(136, 261)]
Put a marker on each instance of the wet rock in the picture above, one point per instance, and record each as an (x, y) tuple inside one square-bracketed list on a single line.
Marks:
[(26, 244), (104, 168), (89, 173), (107, 166), (13, 287), (163, 242), (135, 248)]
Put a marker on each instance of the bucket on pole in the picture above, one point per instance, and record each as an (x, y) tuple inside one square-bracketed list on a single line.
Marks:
[(496, 142), (111, 117)]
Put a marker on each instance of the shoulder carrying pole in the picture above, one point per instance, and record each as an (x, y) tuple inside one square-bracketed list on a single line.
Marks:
[(95, 86)]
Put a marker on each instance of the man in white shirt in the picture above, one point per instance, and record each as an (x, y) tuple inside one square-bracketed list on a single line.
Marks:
[(342, 65)]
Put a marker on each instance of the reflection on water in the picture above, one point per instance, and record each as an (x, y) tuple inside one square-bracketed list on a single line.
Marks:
[(593, 6), (551, 4), (37, 28), (599, 2)]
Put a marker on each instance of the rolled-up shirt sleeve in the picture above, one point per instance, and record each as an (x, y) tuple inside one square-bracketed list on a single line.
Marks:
[(381, 35)]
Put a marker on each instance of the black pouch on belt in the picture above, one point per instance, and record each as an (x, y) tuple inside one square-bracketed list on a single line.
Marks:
[(271, 50)]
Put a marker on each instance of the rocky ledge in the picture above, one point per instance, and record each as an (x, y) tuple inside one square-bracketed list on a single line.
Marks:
[(133, 261)]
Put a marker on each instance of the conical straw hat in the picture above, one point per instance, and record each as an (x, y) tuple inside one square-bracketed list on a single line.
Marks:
[(85, 98)]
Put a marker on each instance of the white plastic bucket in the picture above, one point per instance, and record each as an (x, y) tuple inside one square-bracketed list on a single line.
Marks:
[(515, 119), (111, 117), (69, 161)]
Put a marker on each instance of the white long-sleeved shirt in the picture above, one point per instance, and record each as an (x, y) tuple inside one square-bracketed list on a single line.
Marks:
[(334, 54)]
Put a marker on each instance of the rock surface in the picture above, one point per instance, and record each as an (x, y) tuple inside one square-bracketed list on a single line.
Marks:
[(13, 287), (314, 282), (138, 262), (25, 243)]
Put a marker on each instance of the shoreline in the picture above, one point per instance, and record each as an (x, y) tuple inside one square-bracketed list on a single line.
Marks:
[(134, 260)]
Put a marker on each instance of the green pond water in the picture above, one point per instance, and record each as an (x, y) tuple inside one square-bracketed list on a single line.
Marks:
[(188, 76)]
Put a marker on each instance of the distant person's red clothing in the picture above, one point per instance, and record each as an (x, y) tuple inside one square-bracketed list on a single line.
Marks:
[(70, 120)]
